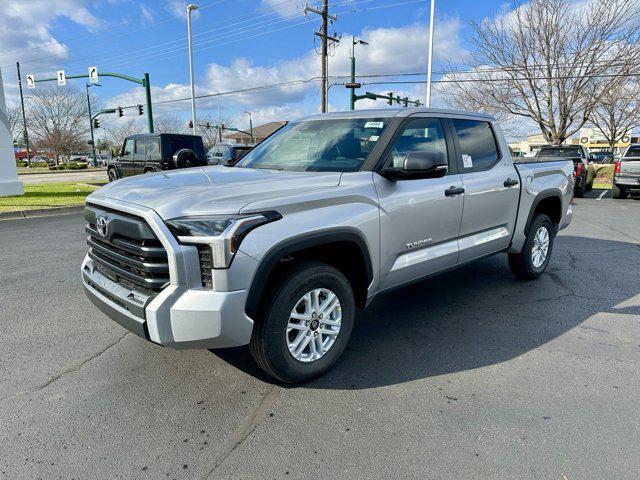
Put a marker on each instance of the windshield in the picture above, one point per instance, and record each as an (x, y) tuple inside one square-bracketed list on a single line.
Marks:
[(564, 152), (339, 145)]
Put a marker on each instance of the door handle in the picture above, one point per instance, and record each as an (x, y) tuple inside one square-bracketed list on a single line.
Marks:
[(452, 190), (510, 182)]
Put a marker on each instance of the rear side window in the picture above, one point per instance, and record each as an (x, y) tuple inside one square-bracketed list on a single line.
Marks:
[(153, 147), (477, 144)]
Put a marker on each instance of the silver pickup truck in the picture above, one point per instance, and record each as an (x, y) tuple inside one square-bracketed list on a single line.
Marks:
[(626, 172), (317, 220)]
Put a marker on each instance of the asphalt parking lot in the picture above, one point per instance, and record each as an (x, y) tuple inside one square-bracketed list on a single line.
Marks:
[(471, 374)]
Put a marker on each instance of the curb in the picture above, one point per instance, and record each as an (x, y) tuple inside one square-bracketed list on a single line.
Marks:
[(42, 212), (57, 172)]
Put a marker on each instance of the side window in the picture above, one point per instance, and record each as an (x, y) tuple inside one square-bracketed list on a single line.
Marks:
[(128, 147), (141, 145), (153, 147), (420, 135), (477, 144)]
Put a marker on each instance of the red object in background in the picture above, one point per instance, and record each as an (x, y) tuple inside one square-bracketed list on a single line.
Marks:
[(579, 169), (616, 168)]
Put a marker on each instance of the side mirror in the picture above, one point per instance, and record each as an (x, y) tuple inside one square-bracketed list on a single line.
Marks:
[(418, 165)]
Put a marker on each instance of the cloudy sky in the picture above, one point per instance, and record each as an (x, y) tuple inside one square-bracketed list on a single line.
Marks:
[(238, 44)]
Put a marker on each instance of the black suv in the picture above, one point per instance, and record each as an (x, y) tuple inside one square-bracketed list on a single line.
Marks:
[(152, 152)]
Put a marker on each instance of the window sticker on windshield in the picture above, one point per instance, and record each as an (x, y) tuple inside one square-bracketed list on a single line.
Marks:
[(374, 125), (467, 161), (374, 138)]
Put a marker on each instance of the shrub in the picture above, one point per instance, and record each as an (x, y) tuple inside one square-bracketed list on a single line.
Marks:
[(72, 166), (82, 166), (21, 163), (40, 164), (52, 168)]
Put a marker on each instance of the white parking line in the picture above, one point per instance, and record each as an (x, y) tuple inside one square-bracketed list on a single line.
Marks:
[(603, 194)]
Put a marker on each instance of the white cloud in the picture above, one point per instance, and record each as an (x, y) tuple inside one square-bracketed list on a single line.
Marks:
[(285, 9), (147, 15), (391, 51), (25, 32)]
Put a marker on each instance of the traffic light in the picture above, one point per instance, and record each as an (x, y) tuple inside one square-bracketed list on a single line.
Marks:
[(96, 123), (140, 110), (190, 124), (390, 101), (406, 101), (208, 125), (120, 112)]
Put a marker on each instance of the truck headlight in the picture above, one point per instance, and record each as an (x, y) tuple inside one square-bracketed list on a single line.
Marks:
[(223, 233)]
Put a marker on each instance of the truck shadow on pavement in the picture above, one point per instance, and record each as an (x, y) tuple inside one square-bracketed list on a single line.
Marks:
[(478, 316)]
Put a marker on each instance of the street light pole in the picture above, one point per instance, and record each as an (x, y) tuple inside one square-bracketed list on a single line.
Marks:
[(24, 115), (93, 143), (352, 96), (430, 56), (250, 126), (190, 8)]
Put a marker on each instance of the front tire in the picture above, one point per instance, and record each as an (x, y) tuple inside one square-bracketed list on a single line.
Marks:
[(112, 173), (307, 324), (532, 261)]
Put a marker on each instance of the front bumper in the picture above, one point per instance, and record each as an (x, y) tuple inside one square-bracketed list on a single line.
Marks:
[(183, 314)]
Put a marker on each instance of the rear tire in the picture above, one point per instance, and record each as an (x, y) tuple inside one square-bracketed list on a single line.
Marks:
[(273, 342), (579, 191), (532, 261), (617, 192)]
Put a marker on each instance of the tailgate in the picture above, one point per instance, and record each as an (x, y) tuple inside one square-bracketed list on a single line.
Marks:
[(630, 166)]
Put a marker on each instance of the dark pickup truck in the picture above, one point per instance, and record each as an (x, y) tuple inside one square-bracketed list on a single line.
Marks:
[(583, 170), (153, 152)]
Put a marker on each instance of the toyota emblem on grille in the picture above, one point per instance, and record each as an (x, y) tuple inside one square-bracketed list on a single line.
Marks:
[(101, 225)]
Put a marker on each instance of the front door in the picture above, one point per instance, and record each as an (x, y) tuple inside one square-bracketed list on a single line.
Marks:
[(127, 156), (492, 189), (419, 218)]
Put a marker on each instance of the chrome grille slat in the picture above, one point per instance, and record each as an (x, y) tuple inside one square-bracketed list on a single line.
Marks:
[(129, 254)]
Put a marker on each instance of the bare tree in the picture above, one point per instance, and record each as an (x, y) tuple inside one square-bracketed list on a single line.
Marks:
[(169, 124), (549, 61), (617, 112), (122, 130), (58, 120), (14, 114)]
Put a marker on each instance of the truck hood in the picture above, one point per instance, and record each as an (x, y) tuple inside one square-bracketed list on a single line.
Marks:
[(212, 190)]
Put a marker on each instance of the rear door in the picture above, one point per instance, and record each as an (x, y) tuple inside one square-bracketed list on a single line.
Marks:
[(153, 153), (491, 189), (139, 156), (419, 221)]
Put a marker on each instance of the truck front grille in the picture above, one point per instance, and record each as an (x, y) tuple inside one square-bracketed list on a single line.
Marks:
[(129, 254)]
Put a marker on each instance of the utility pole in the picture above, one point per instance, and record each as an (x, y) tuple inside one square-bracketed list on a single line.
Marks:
[(93, 143), (24, 116), (324, 36), (250, 126)]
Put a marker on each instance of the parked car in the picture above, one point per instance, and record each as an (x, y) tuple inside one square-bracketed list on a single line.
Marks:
[(227, 155), (584, 172), (626, 172), (154, 152), (317, 220), (602, 157)]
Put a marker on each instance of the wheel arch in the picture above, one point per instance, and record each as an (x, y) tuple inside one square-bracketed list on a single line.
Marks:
[(549, 203), (344, 248)]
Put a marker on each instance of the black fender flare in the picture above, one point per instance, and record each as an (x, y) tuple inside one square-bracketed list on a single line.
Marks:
[(534, 206), (295, 244)]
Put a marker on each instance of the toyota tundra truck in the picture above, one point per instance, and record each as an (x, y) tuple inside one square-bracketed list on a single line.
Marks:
[(312, 224)]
